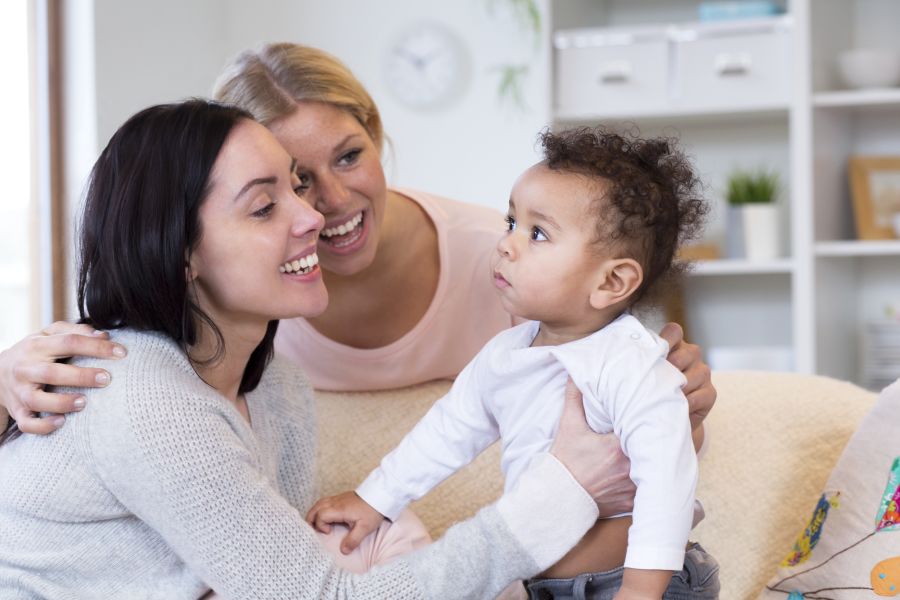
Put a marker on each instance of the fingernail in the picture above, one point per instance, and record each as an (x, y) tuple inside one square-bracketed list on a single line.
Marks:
[(57, 420), (119, 351), (102, 378), (98, 332), (78, 403)]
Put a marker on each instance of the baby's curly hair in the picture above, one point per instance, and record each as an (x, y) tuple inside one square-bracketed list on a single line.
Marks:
[(651, 186)]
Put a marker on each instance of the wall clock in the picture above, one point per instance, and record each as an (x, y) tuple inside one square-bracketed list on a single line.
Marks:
[(427, 66)]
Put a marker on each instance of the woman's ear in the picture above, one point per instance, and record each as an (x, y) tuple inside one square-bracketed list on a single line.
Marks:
[(190, 272), (618, 279)]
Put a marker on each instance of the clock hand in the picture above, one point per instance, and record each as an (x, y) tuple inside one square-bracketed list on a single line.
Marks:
[(430, 57), (417, 61)]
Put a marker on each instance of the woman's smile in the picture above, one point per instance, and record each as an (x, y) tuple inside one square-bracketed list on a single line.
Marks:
[(302, 265), (346, 236)]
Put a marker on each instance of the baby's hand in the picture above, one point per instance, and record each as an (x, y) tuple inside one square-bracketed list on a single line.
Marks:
[(643, 584), (347, 508)]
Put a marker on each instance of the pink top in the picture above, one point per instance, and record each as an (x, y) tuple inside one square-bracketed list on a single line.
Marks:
[(464, 314)]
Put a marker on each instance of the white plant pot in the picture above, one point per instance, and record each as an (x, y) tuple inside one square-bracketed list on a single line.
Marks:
[(761, 236)]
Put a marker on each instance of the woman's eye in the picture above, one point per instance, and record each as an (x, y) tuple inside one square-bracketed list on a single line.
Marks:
[(510, 223), (537, 235), (348, 158), (265, 211), (302, 185)]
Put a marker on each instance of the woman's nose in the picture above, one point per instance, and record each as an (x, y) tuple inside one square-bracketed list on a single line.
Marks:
[(330, 193), (307, 221)]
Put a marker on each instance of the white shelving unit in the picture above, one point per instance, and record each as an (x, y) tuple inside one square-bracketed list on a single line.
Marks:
[(817, 298)]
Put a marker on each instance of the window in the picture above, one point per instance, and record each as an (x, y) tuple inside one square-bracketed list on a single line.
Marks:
[(19, 296), (32, 211)]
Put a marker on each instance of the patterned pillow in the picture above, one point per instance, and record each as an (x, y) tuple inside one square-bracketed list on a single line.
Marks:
[(850, 547)]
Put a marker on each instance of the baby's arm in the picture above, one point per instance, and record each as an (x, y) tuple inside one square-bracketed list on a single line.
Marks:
[(650, 415), (348, 508), (452, 433), (643, 584)]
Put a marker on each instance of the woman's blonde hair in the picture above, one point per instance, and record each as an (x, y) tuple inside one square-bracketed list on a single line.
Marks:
[(269, 81)]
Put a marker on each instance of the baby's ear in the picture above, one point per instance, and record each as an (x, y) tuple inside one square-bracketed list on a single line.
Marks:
[(618, 278)]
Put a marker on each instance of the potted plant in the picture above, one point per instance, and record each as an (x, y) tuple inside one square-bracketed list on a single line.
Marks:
[(752, 195)]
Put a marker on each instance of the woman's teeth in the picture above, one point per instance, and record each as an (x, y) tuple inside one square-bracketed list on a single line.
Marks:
[(301, 266), (343, 229)]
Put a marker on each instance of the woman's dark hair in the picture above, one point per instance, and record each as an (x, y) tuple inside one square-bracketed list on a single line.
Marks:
[(650, 200), (141, 222)]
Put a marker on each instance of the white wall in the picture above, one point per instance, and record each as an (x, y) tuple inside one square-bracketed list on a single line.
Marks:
[(152, 52), (149, 52)]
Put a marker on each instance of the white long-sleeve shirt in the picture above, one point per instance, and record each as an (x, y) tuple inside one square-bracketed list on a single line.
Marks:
[(515, 392)]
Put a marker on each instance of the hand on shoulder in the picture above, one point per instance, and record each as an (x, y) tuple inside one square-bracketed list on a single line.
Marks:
[(30, 365)]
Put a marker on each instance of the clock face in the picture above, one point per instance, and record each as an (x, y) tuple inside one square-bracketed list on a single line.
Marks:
[(426, 66)]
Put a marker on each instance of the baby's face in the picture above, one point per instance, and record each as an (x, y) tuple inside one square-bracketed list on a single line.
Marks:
[(544, 266)]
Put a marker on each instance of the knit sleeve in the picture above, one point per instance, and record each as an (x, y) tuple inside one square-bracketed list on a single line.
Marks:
[(176, 457)]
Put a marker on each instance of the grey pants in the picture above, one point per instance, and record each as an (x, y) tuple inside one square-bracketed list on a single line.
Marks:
[(698, 580)]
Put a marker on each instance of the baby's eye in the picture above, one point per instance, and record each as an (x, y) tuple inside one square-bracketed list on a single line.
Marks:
[(510, 223), (538, 235)]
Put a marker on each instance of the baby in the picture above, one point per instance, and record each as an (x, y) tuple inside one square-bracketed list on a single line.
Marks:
[(592, 228)]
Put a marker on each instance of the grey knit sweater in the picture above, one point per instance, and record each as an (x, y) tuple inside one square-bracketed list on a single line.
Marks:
[(160, 489)]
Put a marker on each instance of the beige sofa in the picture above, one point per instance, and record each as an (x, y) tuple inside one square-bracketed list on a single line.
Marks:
[(773, 439)]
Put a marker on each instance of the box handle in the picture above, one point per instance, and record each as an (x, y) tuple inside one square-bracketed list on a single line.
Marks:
[(732, 65), (616, 72)]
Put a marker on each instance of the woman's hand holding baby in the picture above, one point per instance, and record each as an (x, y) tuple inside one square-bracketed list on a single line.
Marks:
[(595, 460), (688, 359), (347, 508)]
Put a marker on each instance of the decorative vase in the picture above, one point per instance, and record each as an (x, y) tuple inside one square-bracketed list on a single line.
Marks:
[(760, 225)]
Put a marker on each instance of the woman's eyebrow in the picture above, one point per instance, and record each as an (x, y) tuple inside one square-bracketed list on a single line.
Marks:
[(271, 180), (344, 141), (254, 182)]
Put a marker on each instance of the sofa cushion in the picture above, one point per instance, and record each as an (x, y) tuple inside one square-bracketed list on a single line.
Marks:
[(849, 546)]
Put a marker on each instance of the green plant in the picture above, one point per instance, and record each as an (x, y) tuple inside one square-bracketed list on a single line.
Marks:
[(526, 13), (752, 187), (512, 76)]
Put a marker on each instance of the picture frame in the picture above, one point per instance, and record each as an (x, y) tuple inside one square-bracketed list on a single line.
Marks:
[(875, 188)]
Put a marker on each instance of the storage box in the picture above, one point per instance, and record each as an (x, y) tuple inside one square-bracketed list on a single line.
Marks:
[(605, 72), (652, 71), (734, 66)]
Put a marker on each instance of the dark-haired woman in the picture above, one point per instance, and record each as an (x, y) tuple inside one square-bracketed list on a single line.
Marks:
[(193, 467)]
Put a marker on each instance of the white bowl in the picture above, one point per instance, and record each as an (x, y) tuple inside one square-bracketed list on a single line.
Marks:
[(869, 68)]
